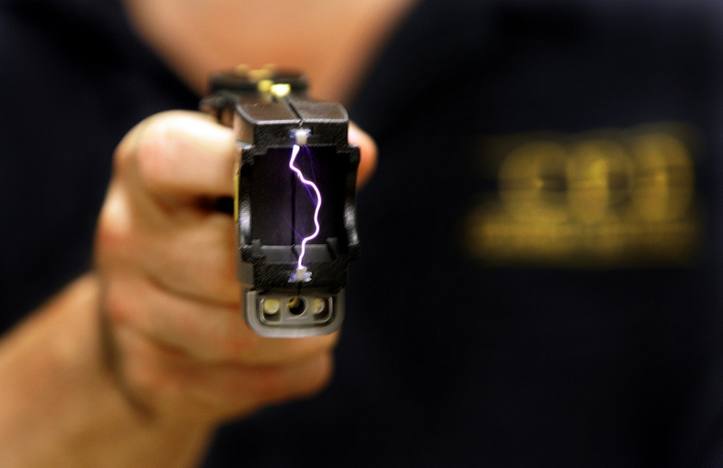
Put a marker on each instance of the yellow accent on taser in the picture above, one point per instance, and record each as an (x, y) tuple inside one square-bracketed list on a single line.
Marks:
[(280, 90), (235, 190)]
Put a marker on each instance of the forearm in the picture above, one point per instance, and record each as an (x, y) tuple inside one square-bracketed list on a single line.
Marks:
[(59, 405)]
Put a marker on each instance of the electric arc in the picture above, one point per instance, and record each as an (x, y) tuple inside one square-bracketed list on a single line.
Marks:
[(302, 274), (294, 206)]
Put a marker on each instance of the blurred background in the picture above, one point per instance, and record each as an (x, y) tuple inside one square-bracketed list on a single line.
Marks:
[(540, 281)]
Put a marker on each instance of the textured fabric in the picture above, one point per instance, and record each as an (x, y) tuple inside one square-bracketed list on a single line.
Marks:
[(74, 81)]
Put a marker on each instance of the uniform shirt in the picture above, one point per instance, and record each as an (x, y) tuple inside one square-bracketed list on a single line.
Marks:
[(541, 248)]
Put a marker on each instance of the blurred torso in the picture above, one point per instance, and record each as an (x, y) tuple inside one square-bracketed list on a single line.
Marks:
[(332, 41)]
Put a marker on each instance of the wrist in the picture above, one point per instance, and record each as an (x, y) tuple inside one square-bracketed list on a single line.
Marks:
[(64, 407)]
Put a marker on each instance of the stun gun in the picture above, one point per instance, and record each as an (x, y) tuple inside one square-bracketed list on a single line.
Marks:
[(294, 206)]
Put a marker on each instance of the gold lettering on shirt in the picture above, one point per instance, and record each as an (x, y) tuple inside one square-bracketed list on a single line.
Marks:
[(598, 199)]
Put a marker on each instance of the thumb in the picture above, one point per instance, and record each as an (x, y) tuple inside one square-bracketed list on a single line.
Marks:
[(368, 150)]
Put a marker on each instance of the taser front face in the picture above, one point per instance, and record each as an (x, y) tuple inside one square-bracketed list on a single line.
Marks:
[(295, 201)]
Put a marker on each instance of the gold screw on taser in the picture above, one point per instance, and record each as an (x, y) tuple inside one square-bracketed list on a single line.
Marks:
[(264, 86), (260, 73), (280, 90), (272, 306), (318, 306)]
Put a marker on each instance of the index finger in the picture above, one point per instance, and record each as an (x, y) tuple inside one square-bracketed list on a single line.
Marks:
[(186, 153), (180, 153)]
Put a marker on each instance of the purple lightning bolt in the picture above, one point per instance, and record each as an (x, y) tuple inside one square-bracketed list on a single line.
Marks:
[(294, 153)]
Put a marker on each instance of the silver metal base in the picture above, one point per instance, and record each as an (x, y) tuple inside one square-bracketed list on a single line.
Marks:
[(288, 315)]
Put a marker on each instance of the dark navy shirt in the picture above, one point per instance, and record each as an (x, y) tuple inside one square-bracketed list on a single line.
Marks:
[(540, 277)]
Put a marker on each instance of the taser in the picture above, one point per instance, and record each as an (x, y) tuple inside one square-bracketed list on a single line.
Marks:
[(294, 205)]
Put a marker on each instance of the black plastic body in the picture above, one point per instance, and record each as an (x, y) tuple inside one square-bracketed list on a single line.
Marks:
[(271, 209)]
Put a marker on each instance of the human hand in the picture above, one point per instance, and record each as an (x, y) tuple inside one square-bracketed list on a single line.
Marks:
[(170, 295)]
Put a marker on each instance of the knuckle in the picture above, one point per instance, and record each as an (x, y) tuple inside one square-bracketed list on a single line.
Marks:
[(116, 304), (151, 380), (114, 227), (126, 151), (141, 375), (154, 153), (137, 362), (145, 372), (150, 144)]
